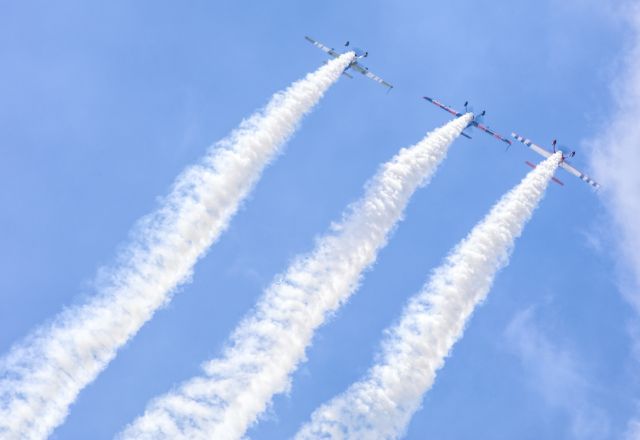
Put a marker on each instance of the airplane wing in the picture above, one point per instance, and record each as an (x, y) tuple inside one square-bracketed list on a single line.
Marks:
[(365, 71), (443, 107), (491, 132), (537, 148), (322, 47), (580, 175)]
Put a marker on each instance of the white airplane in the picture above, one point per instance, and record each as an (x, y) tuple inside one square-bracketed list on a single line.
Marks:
[(355, 65), (563, 162), (477, 120)]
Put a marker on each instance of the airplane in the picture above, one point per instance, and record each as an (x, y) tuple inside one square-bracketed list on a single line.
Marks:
[(354, 65), (475, 122), (563, 162)]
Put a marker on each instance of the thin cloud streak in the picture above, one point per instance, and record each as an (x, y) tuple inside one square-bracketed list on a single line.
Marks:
[(615, 158), (615, 155), (556, 373)]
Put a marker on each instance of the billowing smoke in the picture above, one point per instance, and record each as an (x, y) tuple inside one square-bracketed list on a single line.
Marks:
[(271, 341), (380, 405), (42, 376)]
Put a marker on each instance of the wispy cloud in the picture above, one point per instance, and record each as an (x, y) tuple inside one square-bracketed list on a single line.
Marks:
[(556, 373), (633, 430), (615, 159)]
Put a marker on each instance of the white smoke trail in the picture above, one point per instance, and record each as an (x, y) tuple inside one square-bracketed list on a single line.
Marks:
[(380, 405), (41, 377), (268, 345)]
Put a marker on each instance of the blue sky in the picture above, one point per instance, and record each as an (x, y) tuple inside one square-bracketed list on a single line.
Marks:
[(103, 105)]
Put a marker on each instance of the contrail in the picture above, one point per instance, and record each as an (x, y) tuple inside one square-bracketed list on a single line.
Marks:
[(271, 341), (42, 376), (380, 405)]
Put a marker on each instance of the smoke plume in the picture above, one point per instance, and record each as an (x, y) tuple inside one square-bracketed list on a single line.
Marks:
[(381, 405), (270, 342), (42, 376)]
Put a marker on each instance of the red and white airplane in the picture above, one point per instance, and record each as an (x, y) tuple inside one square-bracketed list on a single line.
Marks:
[(563, 162), (475, 122)]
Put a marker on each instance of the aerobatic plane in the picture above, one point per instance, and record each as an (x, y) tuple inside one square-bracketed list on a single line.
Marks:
[(563, 162), (355, 64), (475, 122)]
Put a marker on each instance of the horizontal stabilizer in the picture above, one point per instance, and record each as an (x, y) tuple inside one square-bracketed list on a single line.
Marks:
[(558, 181), (465, 135)]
